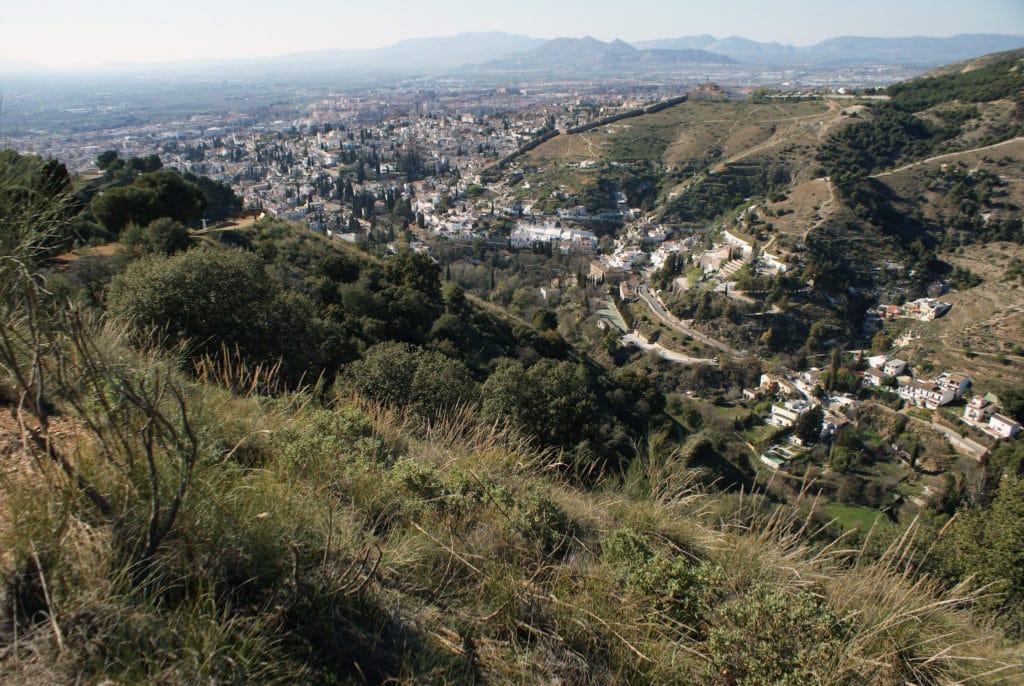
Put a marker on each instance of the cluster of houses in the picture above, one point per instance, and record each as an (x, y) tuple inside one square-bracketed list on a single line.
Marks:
[(932, 393), (796, 393), (925, 309), (569, 241), (627, 255), (980, 412), (581, 214), (721, 260), (768, 262), (929, 393)]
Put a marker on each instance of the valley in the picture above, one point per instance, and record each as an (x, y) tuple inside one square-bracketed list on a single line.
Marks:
[(542, 382)]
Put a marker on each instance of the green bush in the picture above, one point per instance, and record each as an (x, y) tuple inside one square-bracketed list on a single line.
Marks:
[(162, 237), (542, 521), (210, 301), (769, 636), (426, 382), (163, 193), (678, 587)]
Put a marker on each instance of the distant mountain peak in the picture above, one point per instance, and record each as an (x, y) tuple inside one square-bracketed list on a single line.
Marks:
[(588, 54), (911, 50)]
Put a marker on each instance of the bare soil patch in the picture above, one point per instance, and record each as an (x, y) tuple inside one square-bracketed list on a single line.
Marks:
[(986, 324)]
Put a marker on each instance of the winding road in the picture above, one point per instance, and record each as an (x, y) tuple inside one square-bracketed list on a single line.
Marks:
[(663, 352), (669, 319)]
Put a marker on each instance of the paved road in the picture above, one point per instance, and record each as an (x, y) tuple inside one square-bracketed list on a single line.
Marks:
[(664, 315), (963, 445), (663, 352)]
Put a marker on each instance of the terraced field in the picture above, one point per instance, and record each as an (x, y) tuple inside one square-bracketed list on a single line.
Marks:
[(725, 131), (986, 324)]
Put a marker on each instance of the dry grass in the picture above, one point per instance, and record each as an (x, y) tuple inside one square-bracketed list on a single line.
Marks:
[(986, 321), (689, 130), (805, 205), (356, 543)]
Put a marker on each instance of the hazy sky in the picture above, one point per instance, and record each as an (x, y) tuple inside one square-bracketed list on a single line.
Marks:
[(91, 32)]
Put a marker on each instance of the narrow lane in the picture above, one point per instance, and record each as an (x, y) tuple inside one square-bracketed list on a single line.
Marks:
[(669, 319)]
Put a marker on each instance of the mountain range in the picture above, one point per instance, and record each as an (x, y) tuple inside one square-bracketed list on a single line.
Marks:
[(596, 56), (497, 52), (916, 50)]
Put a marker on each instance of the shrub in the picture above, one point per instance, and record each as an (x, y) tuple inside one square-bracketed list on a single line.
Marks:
[(541, 520), (162, 237), (210, 301), (770, 636), (679, 587), (426, 382)]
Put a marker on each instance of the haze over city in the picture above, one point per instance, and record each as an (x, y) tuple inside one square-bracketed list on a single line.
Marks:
[(66, 34)]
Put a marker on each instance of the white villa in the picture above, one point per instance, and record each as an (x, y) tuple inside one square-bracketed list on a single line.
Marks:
[(925, 393), (786, 414), (568, 240)]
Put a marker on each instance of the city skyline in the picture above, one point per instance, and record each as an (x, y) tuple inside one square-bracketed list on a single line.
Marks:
[(59, 34)]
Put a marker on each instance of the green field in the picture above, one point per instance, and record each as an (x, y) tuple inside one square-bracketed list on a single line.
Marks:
[(757, 433), (853, 516)]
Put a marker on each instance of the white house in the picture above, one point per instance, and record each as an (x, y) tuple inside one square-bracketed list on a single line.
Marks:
[(808, 379), (877, 361), (926, 309), (769, 383), (787, 413), (623, 259), (773, 263), (744, 246), (957, 383), (894, 367), (874, 377), (569, 241), (1003, 426), (925, 393), (979, 410)]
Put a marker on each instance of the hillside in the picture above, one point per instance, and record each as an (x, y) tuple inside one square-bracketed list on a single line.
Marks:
[(309, 537), (984, 331), (692, 160), (804, 159), (254, 454), (689, 130), (972, 64)]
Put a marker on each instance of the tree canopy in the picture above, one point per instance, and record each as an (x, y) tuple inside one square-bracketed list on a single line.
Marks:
[(208, 300), (221, 201), (425, 381), (551, 400), (163, 193)]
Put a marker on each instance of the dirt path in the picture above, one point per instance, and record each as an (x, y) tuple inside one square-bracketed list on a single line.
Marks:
[(590, 145), (229, 225), (946, 156), (825, 209), (64, 261)]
